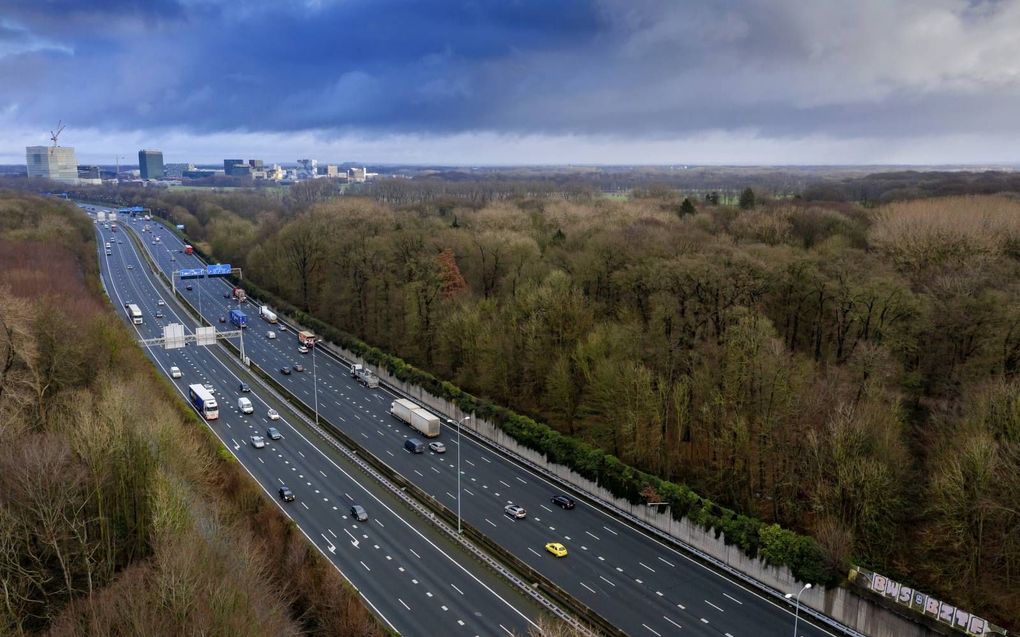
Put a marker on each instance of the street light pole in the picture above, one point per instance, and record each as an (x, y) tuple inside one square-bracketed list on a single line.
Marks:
[(315, 387), (796, 615), (459, 423)]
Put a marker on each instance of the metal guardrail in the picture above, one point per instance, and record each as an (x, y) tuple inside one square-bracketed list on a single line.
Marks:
[(538, 588)]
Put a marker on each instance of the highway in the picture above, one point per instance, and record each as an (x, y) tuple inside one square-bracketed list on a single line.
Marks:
[(411, 575), (638, 583)]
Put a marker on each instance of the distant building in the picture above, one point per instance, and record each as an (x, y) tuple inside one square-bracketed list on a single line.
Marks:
[(256, 165), (176, 171), (235, 167), (358, 174), (307, 168), (52, 162), (150, 164)]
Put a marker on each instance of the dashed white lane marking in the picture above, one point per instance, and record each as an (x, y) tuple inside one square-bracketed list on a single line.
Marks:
[(650, 630), (589, 588), (607, 581), (534, 551), (667, 562), (610, 530), (674, 623), (366, 567), (592, 534), (714, 606), (646, 566), (457, 589), (734, 599)]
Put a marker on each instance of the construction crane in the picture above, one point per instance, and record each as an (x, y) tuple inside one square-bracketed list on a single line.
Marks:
[(54, 136)]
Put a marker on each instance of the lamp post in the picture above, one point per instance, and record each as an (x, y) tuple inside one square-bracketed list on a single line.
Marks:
[(796, 615), (459, 423), (315, 387)]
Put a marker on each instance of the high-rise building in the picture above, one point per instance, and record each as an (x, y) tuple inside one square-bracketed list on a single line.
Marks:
[(150, 164), (233, 167), (52, 162)]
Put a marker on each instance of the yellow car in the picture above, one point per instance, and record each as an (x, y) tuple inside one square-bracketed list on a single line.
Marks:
[(556, 549)]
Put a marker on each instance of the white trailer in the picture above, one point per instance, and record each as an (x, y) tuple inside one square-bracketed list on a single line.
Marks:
[(267, 315), (401, 410), (425, 422)]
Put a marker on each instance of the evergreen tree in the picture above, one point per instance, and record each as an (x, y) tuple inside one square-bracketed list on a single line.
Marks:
[(747, 201)]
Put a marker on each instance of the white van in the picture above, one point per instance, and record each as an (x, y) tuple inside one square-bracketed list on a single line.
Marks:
[(175, 372), (270, 334), (245, 405)]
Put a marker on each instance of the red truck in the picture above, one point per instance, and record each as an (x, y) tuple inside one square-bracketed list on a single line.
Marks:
[(189, 250)]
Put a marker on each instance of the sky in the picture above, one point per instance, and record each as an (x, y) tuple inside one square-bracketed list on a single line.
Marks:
[(480, 82)]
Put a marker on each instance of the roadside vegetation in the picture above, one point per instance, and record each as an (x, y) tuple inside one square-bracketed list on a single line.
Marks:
[(846, 373), (118, 516)]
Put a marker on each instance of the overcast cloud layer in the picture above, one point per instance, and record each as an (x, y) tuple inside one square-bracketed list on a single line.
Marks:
[(504, 81)]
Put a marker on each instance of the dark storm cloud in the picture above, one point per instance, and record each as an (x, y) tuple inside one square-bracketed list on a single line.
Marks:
[(609, 67)]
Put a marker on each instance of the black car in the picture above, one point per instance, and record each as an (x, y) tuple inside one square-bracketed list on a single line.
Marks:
[(286, 494), (563, 501), (358, 513), (223, 319), (285, 371), (187, 287), (226, 295), (243, 387), (299, 367)]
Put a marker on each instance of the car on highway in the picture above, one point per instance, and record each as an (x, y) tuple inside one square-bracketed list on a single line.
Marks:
[(223, 319), (281, 327), (161, 302), (226, 295), (286, 494), (131, 267), (187, 287), (556, 549), (209, 388), (159, 314), (273, 433), (258, 441), (243, 388), (437, 447), (173, 258), (270, 334), (119, 241), (285, 370), (562, 501), (514, 511), (175, 372), (302, 349), (298, 367), (358, 513), (272, 414)]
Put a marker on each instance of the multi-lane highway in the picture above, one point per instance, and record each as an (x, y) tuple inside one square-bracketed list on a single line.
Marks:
[(633, 580), (413, 577)]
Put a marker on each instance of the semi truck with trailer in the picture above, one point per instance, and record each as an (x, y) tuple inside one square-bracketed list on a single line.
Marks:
[(267, 315), (420, 419)]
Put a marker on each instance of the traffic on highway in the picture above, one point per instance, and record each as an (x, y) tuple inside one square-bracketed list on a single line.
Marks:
[(409, 575)]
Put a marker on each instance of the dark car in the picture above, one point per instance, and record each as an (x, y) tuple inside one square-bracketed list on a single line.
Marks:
[(299, 367), (223, 319), (187, 287), (243, 387), (273, 433), (358, 513), (563, 501), (285, 371), (286, 494)]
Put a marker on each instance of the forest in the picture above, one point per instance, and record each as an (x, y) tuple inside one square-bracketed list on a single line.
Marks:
[(849, 372), (120, 514)]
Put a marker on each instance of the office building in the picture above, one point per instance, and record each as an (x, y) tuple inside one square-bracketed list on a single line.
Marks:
[(52, 162), (150, 164), (232, 167), (176, 171)]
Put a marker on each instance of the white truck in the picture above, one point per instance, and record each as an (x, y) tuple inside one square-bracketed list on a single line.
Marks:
[(364, 376), (100, 216), (267, 315), (419, 418)]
